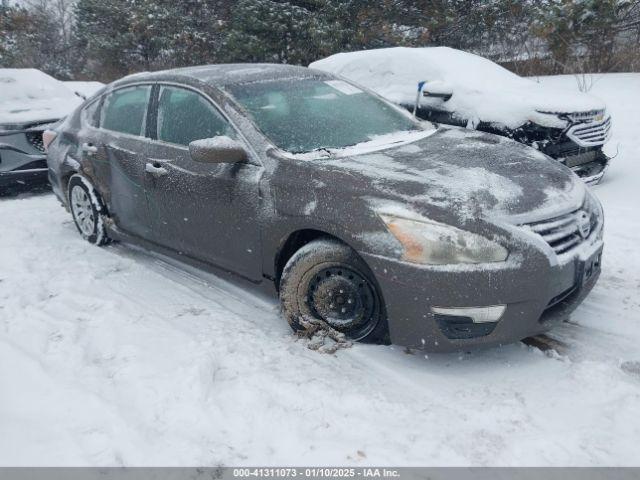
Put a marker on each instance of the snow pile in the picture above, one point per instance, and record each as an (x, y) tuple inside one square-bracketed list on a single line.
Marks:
[(482, 90), (29, 95)]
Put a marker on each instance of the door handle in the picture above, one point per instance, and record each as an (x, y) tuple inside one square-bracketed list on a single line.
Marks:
[(155, 170), (89, 148)]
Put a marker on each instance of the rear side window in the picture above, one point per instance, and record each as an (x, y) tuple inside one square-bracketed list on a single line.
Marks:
[(125, 110), (185, 116)]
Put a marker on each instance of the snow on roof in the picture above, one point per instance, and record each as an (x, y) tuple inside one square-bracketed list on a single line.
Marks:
[(482, 90), (225, 74), (29, 95)]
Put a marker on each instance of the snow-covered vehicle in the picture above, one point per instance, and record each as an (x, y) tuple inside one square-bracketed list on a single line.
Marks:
[(450, 86), (364, 219), (30, 102)]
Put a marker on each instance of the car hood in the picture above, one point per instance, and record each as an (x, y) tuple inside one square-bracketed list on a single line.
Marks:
[(470, 175), (13, 112), (528, 102)]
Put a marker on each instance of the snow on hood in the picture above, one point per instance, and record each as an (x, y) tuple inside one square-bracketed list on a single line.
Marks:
[(482, 90), (470, 174), (29, 95)]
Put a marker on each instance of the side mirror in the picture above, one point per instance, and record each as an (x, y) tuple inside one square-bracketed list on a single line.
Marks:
[(432, 89), (217, 150), (437, 89)]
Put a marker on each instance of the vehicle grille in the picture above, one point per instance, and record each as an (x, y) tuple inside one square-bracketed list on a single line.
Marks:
[(562, 233), (35, 139), (576, 159), (590, 134)]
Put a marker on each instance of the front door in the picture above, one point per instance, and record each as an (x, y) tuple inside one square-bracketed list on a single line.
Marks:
[(206, 211)]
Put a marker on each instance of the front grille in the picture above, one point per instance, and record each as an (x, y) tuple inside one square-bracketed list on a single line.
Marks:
[(565, 148), (590, 134), (579, 158), (35, 139), (563, 233)]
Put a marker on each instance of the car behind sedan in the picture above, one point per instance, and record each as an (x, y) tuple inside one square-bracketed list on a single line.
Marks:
[(30, 102), (445, 85), (364, 220)]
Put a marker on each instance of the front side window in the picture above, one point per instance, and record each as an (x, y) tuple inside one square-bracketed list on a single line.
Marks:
[(185, 116), (302, 115), (125, 110)]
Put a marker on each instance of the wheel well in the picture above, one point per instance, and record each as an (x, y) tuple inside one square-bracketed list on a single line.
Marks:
[(64, 187), (294, 242)]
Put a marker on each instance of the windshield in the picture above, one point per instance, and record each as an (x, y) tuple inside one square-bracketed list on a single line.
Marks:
[(302, 115)]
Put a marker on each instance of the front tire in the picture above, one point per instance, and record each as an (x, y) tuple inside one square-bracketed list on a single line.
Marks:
[(326, 280), (87, 210)]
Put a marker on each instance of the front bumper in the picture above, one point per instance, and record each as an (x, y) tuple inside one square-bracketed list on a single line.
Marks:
[(590, 172), (536, 298), (22, 159), (589, 163), (35, 176)]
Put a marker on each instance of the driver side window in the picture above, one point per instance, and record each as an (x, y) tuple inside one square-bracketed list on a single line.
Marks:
[(185, 116)]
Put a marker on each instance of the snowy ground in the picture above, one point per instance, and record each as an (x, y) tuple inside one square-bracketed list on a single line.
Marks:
[(112, 356)]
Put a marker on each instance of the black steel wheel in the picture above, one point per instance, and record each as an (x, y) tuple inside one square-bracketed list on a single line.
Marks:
[(328, 281)]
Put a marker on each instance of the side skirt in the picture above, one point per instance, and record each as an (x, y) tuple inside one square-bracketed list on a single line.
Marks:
[(181, 260)]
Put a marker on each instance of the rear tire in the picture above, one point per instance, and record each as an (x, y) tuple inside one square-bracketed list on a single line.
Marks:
[(326, 280), (87, 210)]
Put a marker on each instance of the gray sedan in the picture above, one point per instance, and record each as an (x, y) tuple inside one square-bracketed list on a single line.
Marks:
[(363, 219)]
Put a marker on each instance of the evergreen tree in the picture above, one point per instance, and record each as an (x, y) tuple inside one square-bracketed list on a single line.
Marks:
[(584, 35), (32, 38)]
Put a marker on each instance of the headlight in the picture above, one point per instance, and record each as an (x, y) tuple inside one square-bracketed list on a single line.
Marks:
[(592, 204), (435, 243), (9, 127), (594, 208)]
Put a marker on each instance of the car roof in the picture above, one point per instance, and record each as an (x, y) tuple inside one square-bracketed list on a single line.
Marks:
[(228, 74)]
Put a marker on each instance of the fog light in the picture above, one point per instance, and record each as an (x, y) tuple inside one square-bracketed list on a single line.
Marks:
[(476, 314), (459, 323)]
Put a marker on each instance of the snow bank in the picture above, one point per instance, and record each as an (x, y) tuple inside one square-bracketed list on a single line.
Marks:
[(482, 90), (29, 95)]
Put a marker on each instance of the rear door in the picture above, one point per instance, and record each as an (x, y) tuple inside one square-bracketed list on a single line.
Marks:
[(123, 127), (90, 147), (207, 211)]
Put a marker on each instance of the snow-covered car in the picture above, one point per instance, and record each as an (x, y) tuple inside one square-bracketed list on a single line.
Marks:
[(450, 86), (364, 219), (30, 102)]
